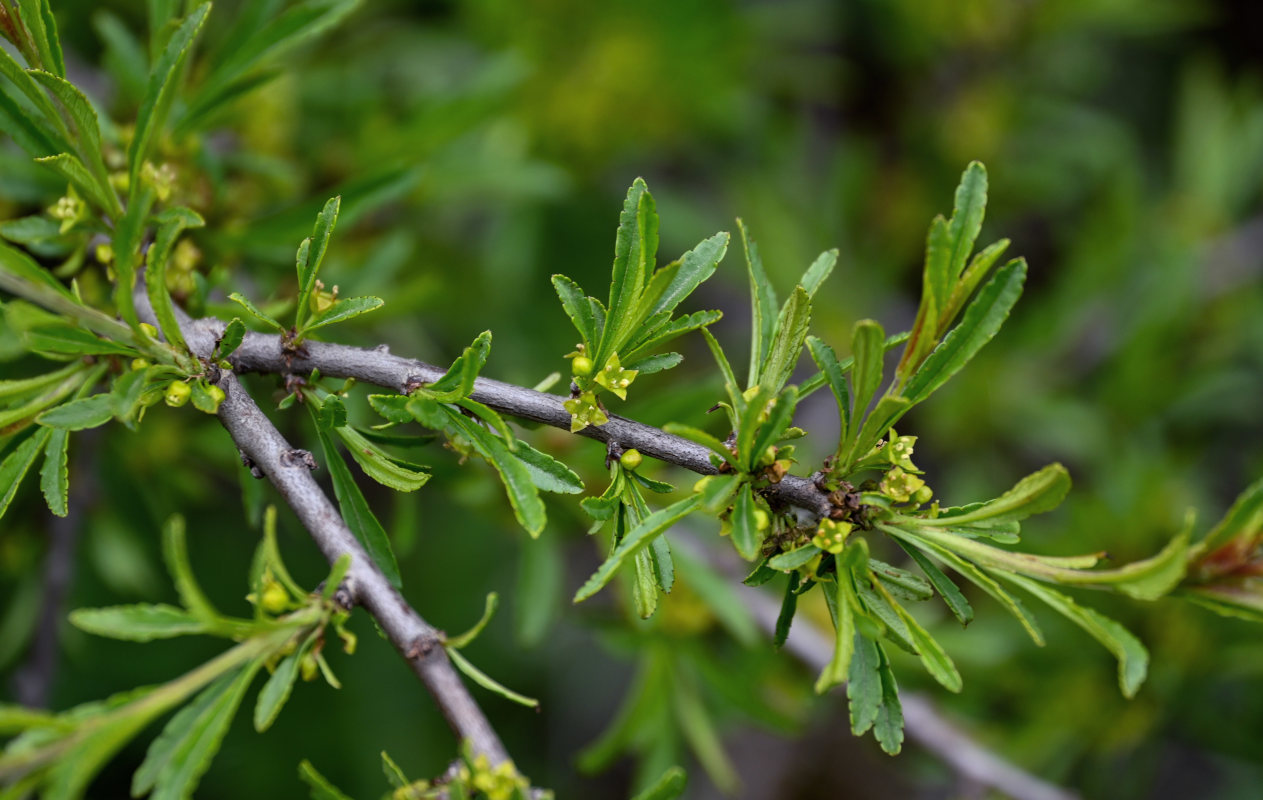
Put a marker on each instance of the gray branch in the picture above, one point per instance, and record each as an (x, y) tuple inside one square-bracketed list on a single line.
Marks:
[(288, 470), (264, 353)]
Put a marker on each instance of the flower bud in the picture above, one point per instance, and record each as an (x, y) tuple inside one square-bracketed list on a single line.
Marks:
[(275, 599), (178, 393), (582, 365), (631, 459)]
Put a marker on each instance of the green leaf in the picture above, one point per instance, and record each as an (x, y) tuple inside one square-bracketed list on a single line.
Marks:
[(635, 249), (730, 379), (17, 463), (700, 437), (982, 320), (1239, 526), (38, 19), (485, 681), (547, 473), (160, 91), (274, 694), (124, 57), (717, 492), (653, 338), (779, 418), (77, 415), (489, 609), (670, 786), (575, 303), (245, 303), (888, 727), (380, 466), (343, 310), (175, 553), (170, 225), (949, 591), (84, 117), (833, 372), (789, 605), (541, 574), (863, 685), (787, 344), (67, 340), (967, 216), (176, 760), (844, 640), (142, 622), (888, 411), (72, 169), (252, 46), (359, 517), (819, 271), (1133, 658), (933, 657), (458, 382), (757, 406), (1036, 493), (973, 275), (937, 277), (639, 536), (23, 270), (746, 536), (517, 479), (321, 789), (763, 307), (234, 334), (54, 479), (309, 267), (978, 577), (866, 346), (696, 266), (793, 559)]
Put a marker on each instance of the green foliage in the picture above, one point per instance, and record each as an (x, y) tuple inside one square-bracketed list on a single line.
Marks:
[(135, 189)]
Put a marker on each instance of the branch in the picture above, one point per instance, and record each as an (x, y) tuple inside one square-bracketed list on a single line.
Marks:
[(261, 352), (288, 469)]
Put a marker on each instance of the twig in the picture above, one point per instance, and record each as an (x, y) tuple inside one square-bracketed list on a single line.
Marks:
[(415, 639), (264, 353)]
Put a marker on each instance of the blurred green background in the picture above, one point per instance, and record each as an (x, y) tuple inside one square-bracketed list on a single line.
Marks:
[(482, 146)]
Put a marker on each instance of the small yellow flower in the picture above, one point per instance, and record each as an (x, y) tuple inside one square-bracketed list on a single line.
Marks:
[(900, 486), (831, 535), (613, 377), (584, 412)]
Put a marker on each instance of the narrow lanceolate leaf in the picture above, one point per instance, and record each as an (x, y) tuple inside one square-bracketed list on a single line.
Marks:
[(378, 465), (949, 591), (763, 305), (933, 657), (488, 611), (276, 691), (700, 437), (787, 344), (547, 473), (746, 536), (639, 536), (89, 133), (458, 382), (969, 280), (176, 554), (77, 415), (778, 420), (162, 79), (982, 320), (575, 303), (142, 622), (517, 480), (839, 666), (1133, 658), (180, 755), (670, 786), (15, 466), (863, 684), (171, 224), (321, 788), (343, 310), (866, 347), (1151, 578), (696, 266), (833, 373), (18, 271), (359, 517), (1238, 529), (234, 334), (789, 607), (54, 475), (635, 251), (819, 270), (487, 682), (937, 277), (37, 17), (309, 267), (967, 216), (245, 303), (793, 559), (1036, 493)]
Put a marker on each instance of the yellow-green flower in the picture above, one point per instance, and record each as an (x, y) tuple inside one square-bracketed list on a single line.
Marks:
[(584, 412), (900, 486), (831, 535), (613, 377), (69, 209)]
